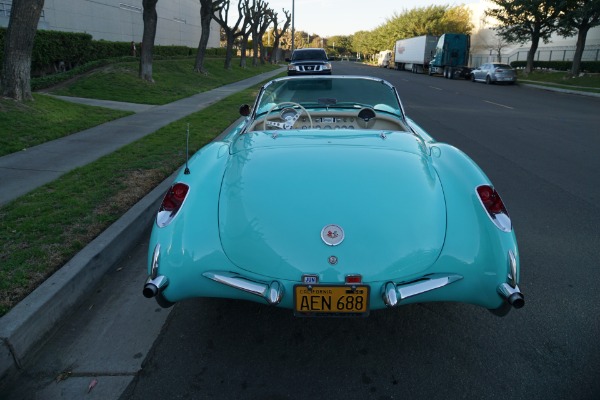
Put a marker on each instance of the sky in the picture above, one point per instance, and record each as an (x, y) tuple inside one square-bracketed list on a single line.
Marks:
[(345, 17)]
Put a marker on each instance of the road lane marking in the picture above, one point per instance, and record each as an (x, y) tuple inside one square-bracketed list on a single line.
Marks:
[(436, 88), (499, 105)]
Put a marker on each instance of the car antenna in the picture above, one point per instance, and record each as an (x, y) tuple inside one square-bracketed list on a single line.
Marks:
[(187, 150)]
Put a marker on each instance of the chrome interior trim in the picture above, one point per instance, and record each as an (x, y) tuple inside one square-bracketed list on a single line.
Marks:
[(272, 292), (393, 293)]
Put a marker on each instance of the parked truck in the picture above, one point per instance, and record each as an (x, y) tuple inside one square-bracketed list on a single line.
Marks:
[(383, 58), (414, 54), (451, 57)]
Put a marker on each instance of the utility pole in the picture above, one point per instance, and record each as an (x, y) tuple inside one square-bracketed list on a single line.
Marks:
[(293, 1)]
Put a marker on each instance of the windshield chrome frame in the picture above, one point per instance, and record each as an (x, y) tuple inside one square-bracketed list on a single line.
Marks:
[(335, 77)]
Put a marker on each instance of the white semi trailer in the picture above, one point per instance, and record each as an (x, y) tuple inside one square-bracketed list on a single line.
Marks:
[(414, 54)]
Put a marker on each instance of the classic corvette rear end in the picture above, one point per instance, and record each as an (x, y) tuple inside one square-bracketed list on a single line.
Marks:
[(328, 201)]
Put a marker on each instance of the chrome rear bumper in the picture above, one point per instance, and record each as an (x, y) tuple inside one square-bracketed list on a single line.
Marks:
[(272, 292), (393, 293)]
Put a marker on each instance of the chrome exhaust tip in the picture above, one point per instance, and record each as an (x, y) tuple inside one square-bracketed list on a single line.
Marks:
[(512, 295), (154, 286)]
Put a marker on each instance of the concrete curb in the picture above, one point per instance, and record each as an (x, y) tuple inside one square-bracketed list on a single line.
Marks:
[(24, 329)]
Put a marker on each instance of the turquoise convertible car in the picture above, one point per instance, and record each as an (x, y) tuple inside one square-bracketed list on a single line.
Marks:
[(328, 201)]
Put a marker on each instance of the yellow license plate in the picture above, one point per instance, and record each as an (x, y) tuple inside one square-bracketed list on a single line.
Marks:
[(343, 300)]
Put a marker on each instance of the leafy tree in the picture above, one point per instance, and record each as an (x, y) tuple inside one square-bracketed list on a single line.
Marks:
[(361, 43), (340, 44), (207, 10), (431, 20), (456, 20), (150, 19), (579, 17), (15, 82), (524, 20)]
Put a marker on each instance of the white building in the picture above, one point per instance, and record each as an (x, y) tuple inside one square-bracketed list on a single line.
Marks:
[(121, 20), (486, 46)]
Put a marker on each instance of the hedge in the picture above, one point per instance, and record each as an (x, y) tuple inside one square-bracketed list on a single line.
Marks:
[(56, 51), (586, 66)]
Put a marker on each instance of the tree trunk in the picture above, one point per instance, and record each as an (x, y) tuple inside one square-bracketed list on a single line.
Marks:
[(581, 38), (255, 49), (535, 40), (15, 82), (229, 49), (206, 13), (273, 56), (150, 20), (243, 50), (262, 57)]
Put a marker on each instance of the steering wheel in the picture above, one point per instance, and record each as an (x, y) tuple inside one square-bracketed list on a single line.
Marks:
[(289, 118)]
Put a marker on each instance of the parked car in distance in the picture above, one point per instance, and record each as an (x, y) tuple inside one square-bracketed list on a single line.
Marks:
[(494, 73), (309, 62)]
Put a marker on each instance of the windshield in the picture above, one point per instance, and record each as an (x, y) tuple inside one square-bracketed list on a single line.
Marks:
[(348, 93), (309, 55)]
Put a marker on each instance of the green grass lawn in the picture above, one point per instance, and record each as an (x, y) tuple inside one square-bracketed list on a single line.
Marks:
[(586, 83), (41, 231), (24, 125), (173, 80)]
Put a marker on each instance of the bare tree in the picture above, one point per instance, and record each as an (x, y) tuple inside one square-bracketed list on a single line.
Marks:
[(259, 21), (15, 81), (246, 31), (150, 20), (207, 9), (231, 33), (278, 33), (265, 21)]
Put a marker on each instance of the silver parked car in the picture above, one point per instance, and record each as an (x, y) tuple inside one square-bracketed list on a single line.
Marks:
[(494, 73)]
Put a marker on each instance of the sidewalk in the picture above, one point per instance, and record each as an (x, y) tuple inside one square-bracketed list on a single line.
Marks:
[(24, 330)]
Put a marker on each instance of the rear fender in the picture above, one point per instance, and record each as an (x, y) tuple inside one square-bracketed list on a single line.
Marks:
[(475, 246), (188, 244)]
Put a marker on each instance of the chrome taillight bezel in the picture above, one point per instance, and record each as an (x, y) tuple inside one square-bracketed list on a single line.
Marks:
[(497, 210), (167, 212)]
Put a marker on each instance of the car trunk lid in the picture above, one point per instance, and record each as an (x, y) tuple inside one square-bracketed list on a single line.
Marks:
[(278, 195)]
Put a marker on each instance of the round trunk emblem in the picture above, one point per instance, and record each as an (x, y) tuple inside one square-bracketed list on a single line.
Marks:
[(332, 235)]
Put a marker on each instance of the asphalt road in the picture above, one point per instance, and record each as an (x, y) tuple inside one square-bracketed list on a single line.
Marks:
[(540, 150)]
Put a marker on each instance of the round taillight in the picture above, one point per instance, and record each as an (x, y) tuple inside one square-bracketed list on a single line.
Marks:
[(179, 191), (492, 203), (171, 203), (490, 199)]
